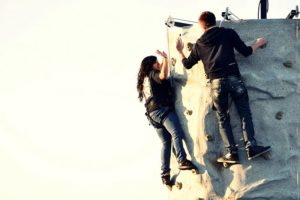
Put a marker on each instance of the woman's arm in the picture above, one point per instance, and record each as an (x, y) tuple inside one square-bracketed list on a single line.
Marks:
[(164, 70)]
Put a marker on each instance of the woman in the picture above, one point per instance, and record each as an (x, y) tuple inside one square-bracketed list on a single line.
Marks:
[(154, 87)]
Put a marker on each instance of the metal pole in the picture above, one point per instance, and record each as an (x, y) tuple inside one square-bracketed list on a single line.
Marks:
[(263, 9), (169, 58)]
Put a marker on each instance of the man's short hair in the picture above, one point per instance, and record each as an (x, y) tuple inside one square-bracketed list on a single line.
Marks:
[(208, 18)]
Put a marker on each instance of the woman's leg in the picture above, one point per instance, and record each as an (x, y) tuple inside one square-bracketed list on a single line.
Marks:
[(166, 140), (172, 125)]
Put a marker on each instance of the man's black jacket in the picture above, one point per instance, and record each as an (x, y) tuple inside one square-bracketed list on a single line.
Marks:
[(216, 50)]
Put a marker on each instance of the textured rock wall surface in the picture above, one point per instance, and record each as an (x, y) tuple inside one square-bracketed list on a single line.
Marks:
[(272, 76)]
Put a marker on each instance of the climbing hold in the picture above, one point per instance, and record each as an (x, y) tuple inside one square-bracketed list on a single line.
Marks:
[(263, 46), (288, 64), (209, 138), (279, 115), (178, 185), (189, 112), (190, 46), (173, 61)]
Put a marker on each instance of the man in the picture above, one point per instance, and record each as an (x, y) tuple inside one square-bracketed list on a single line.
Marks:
[(216, 50)]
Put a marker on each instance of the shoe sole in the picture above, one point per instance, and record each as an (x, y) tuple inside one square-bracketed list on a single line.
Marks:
[(259, 154), (186, 168), (221, 160)]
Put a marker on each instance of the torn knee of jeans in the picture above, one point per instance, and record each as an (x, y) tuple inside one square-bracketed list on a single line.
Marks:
[(240, 91)]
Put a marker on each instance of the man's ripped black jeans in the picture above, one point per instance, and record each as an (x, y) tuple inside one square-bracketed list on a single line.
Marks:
[(221, 89)]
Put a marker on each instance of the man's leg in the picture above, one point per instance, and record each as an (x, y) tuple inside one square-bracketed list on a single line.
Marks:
[(220, 100), (240, 96)]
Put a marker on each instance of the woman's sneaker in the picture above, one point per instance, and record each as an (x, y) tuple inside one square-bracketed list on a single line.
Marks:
[(186, 165), (167, 181)]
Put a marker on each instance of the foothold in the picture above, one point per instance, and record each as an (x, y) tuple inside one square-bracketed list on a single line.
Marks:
[(190, 46), (195, 171), (189, 112), (288, 64), (173, 61), (209, 138), (178, 185), (226, 165), (279, 115), (267, 156), (263, 46)]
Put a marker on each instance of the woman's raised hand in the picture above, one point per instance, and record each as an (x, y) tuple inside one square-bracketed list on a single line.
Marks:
[(163, 54)]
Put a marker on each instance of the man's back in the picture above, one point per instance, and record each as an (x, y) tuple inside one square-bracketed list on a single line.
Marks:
[(216, 50)]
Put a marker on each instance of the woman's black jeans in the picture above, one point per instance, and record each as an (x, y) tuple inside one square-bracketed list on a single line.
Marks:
[(221, 89)]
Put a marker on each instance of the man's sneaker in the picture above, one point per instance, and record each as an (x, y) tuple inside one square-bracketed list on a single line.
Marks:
[(186, 165), (255, 151), (230, 157)]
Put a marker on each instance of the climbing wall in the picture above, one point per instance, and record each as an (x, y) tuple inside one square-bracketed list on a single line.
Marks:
[(272, 76)]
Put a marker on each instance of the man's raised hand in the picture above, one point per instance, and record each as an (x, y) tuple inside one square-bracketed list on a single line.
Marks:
[(179, 45)]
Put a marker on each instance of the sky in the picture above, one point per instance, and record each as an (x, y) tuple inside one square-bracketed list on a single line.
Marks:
[(71, 126)]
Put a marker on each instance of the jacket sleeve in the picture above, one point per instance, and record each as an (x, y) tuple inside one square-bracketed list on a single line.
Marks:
[(193, 58), (239, 45)]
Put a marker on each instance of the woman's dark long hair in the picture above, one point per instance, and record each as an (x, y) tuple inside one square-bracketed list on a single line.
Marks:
[(146, 67)]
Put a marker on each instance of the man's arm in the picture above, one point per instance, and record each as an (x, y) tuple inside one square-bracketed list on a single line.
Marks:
[(191, 60), (242, 48), (239, 45)]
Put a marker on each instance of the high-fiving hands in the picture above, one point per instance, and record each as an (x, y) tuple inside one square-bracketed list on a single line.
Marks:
[(162, 53), (179, 45), (164, 67)]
